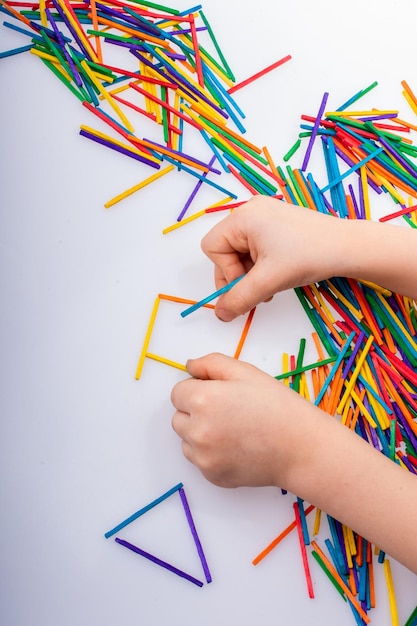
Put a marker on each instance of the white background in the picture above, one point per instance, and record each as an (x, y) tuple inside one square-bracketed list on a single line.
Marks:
[(83, 445)]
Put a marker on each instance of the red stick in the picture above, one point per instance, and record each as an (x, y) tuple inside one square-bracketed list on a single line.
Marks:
[(259, 74), (303, 550)]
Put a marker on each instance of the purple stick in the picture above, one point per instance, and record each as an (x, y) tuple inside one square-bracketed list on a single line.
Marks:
[(117, 148), (177, 152), (361, 199), (155, 559), (194, 192), (195, 535), (353, 355), (354, 201), (61, 43), (396, 155), (68, 24), (370, 118), (124, 44), (314, 132)]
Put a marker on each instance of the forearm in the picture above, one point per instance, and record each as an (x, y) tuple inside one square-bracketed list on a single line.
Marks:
[(380, 253), (348, 479)]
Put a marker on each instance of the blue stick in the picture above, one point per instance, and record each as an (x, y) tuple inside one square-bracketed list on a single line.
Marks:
[(219, 292), (142, 511)]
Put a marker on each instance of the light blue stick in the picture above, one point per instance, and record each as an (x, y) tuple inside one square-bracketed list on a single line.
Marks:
[(219, 292), (142, 511)]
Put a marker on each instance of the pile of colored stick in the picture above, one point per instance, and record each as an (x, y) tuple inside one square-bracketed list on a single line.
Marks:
[(169, 77), (368, 376)]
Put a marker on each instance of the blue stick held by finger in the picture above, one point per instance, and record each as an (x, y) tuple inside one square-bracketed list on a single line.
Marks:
[(211, 297)]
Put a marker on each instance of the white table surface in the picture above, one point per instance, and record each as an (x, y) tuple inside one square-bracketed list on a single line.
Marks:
[(83, 444)]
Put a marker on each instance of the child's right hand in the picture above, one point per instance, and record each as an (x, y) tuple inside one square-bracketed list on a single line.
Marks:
[(278, 245)]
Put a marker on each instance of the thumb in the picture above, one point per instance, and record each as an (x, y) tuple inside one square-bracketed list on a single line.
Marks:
[(247, 293), (214, 366)]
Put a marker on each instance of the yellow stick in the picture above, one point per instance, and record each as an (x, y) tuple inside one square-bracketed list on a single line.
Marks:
[(363, 409), (364, 184), (162, 359), (356, 312), (359, 113), (186, 220), (147, 338), (42, 6), (322, 303), (120, 89), (347, 547), (51, 59), (379, 410), (140, 185), (317, 521), (355, 374), (382, 290), (285, 366), (391, 593), (81, 34), (392, 190)]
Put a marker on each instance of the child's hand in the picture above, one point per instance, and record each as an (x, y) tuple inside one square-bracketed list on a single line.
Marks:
[(279, 245), (239, 425)]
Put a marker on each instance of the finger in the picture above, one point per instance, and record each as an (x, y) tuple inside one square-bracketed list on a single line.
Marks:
[(180, 423), (226, 245), (255, 287), (181, 393), (216, 366), (188, 451)]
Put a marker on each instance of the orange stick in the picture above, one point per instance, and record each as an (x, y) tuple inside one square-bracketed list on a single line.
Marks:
[(411, 126), (371, 584), (355, 416), (349, 417), (315, 381), (389, 340), (324, 317), (131, 31), (400, 301), (280, 537), (352, 582), (164, 296), (244, 333), (336, 389), (409, 91), (95, 26), (304, 189), (359, 542), (274, 169), (366, 310), (16, 14), (351, 208)]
